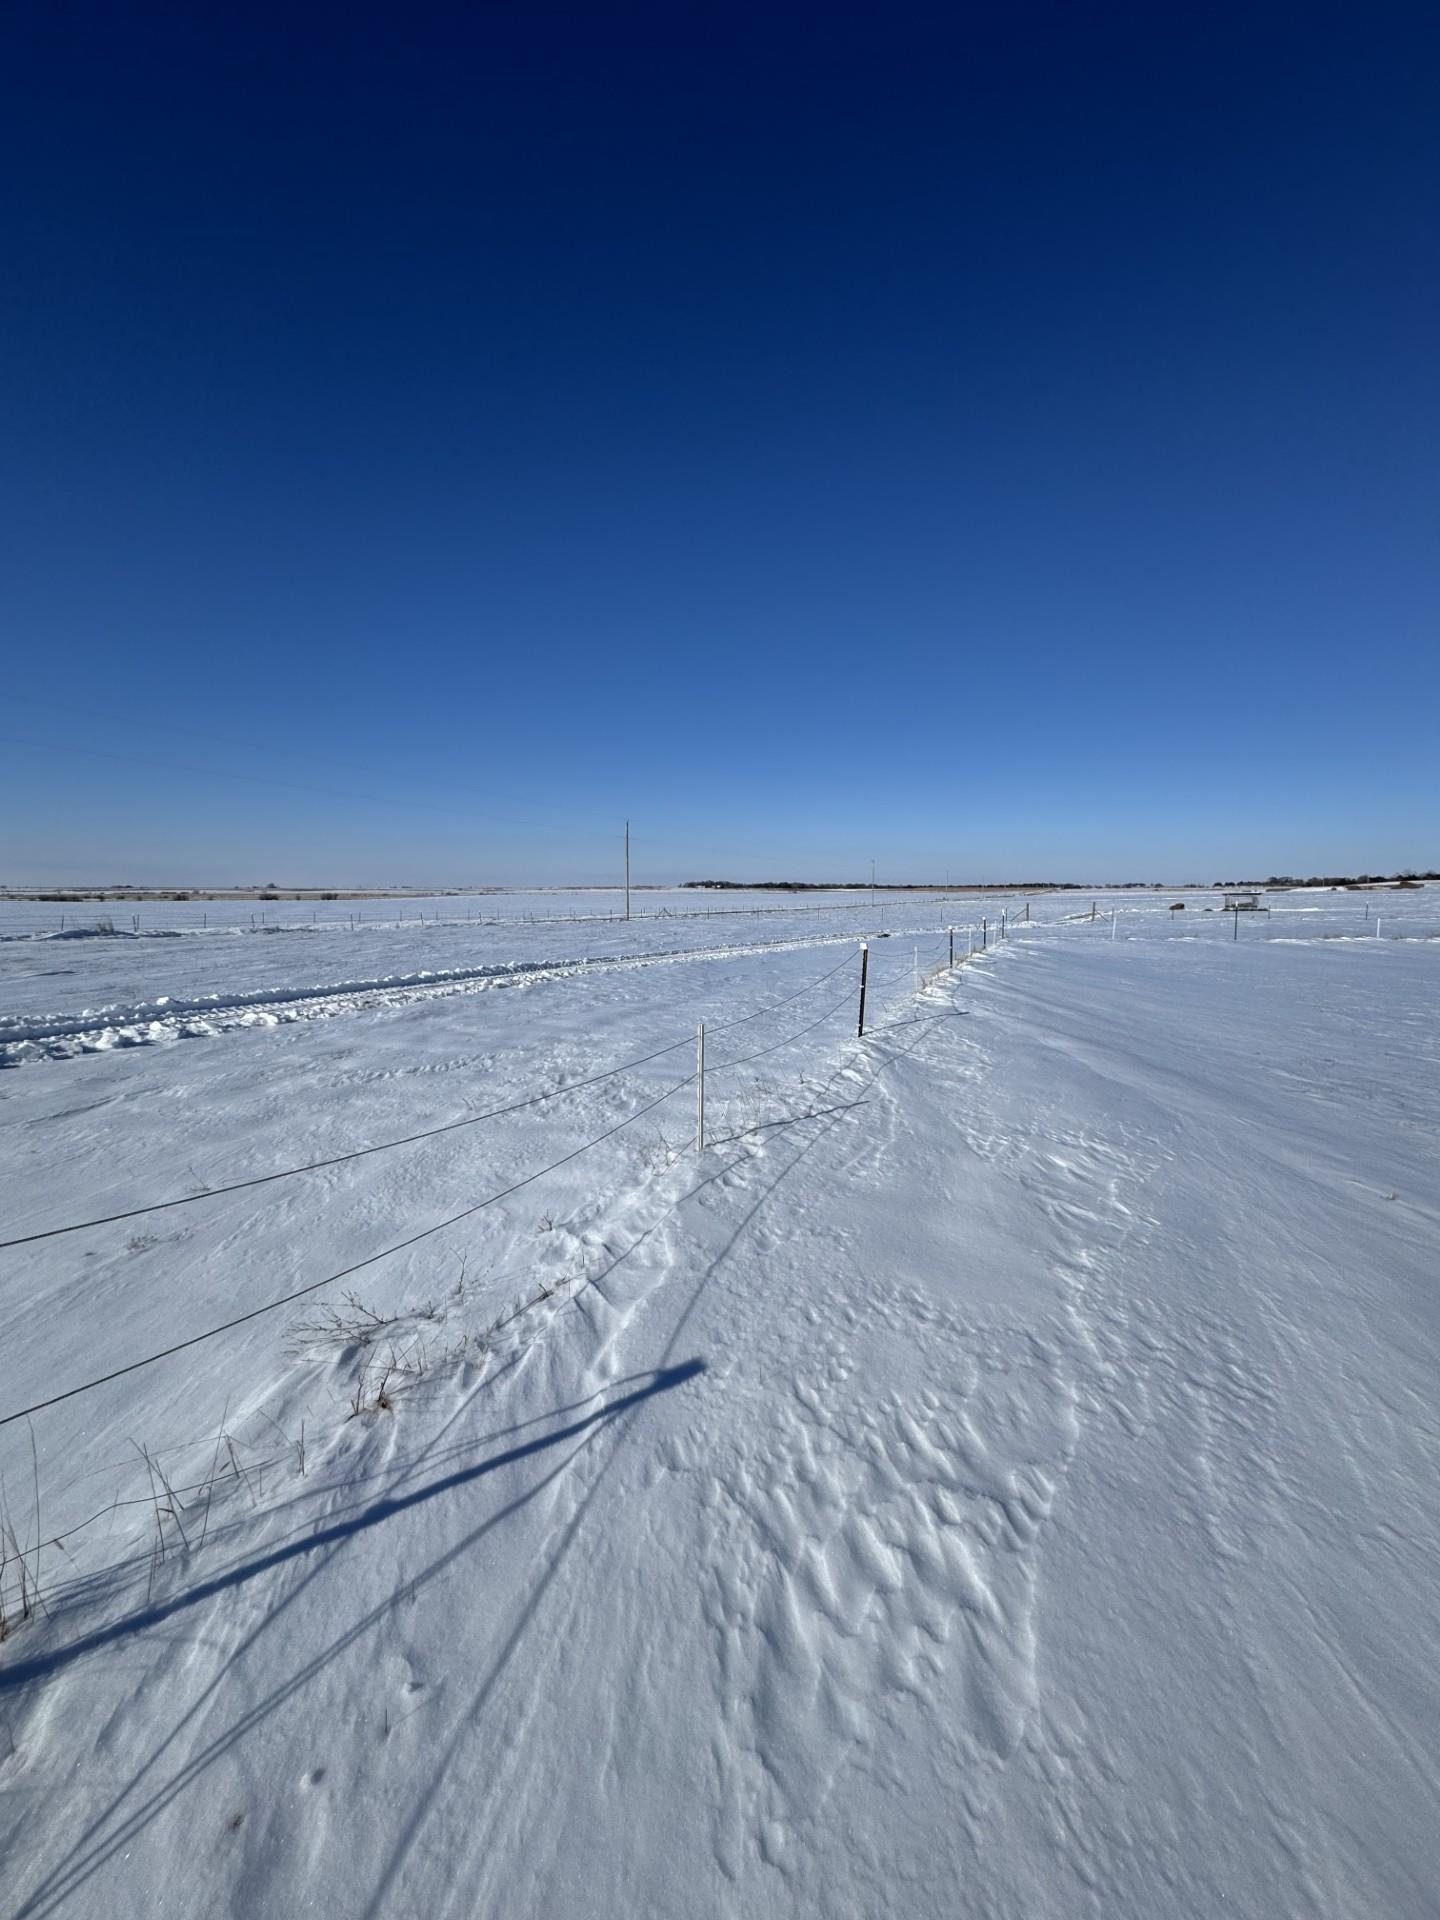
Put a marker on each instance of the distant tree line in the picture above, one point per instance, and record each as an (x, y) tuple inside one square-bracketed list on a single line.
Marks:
[(1409, 878), (893, 886)]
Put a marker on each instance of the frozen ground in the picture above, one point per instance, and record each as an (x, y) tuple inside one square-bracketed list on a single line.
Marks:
[(997, 1477)]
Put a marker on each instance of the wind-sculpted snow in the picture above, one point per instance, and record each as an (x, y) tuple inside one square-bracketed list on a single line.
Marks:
[(997, 1477)]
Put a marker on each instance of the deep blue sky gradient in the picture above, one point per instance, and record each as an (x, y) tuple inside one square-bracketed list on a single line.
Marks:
[(997, 438)]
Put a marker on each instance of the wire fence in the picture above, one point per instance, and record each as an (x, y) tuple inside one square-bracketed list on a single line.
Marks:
[(26, 1034), (121, 918), (895, 983), (409, 1139)]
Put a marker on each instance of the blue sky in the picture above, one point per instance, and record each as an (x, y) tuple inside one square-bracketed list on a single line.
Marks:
[(988, 438)]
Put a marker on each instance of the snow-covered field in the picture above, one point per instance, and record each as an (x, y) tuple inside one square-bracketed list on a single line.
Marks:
[(1000, 1475), (177, 977), (505, 907)]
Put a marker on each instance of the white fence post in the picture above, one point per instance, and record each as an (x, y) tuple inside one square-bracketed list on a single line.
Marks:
[(700, 1088)]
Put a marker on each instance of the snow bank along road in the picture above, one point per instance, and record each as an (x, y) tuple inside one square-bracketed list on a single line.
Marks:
[(997, 1476)]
